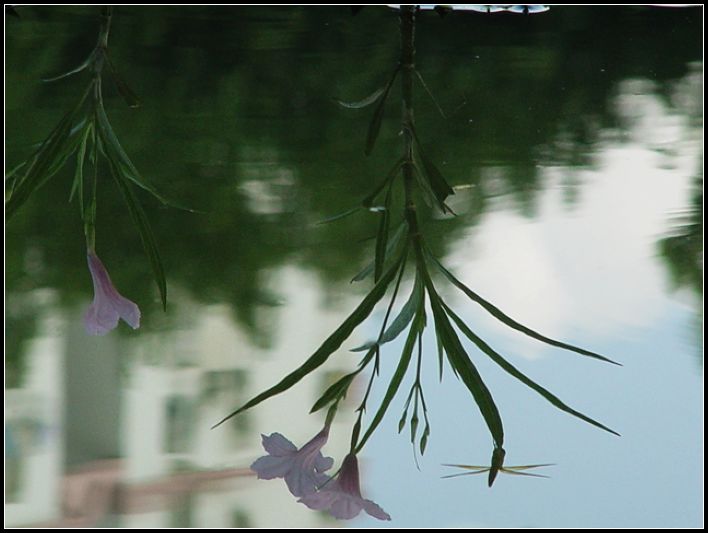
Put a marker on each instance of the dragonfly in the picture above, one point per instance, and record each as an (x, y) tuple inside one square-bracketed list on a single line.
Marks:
[(496, 467)]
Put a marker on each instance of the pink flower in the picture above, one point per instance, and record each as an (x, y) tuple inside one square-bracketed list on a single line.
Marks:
[(302, 469), (108, 306), (342, 496)]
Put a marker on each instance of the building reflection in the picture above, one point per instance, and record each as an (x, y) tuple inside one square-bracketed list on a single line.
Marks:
[(115, 431)]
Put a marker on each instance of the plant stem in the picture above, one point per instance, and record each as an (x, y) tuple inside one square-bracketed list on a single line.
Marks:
[(106, 16), (407, 20)]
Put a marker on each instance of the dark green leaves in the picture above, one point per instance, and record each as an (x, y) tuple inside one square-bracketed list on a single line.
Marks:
[(461, 363), (415, 167), (401, 321), (498, 314), (143, 225), (332, 343), (339, 216), (86, 132), (375, 124), (373, 97), (382, 237), (115, 152), (128, 95), (508, 367), (387, 181), (435, 182), (83, 130), (125, 173), (391, 245), (378, 97), (83, 66), (50, 157), (399, 373), (334, 392), (78, 185)]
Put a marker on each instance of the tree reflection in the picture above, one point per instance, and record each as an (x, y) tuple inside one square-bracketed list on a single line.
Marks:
[(682, 252), (536, 91), (683, 249)]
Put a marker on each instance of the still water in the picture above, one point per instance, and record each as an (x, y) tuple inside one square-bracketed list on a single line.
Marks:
[(573, 141)]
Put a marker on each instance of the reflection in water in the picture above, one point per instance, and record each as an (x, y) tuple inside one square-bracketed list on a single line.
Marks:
[(86, 132), (495, 468), (394, 249), (682, 252), (149, 406), (683, 249), (559, 115)]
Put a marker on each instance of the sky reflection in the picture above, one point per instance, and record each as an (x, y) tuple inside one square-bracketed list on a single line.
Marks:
[(566, 191)]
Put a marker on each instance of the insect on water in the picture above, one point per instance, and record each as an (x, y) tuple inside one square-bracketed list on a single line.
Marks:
[(496, 467)]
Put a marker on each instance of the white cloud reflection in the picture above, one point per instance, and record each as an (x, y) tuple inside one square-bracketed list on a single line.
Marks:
[(588, 270)]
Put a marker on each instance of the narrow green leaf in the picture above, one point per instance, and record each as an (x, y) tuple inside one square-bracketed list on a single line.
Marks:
[(68, 150), (334, 391), (428, 194), (339, 216), (112, 146), (332, 343), (356, 430), (78, 185), (46, 162), (402, 421), (331, 413), (430, 93), (11, 175), (128, 95), (113, 149), (403, 318), (408, 311), (498, 455), (72, 144), (88, 215), (414, 423), (499, 315), (141, 221), (424, 438), (369, 199), (461, 363), (363, 102), (382, 238), (76, 70), (375, 124), (390, 248), (509, 368), (439, 185), (395, 383), (441, 355)]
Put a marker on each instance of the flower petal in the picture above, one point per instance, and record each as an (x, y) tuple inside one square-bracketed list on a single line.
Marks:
[(346, 507), (108, 305), (319, 501), (375, 511), (301, 482), (323, 463), (128, 311), (277, 445), (99, 318), (271, 467)]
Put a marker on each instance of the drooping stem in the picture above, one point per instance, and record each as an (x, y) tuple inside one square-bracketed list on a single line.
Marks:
[(407, 20), (106, 16)]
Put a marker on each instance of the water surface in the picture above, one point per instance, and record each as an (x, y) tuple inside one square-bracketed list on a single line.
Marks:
[(573, 138)]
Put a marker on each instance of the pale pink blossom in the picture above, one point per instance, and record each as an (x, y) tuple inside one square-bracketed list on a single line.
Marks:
[(108, 305), (302, 469), (342, 496)]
